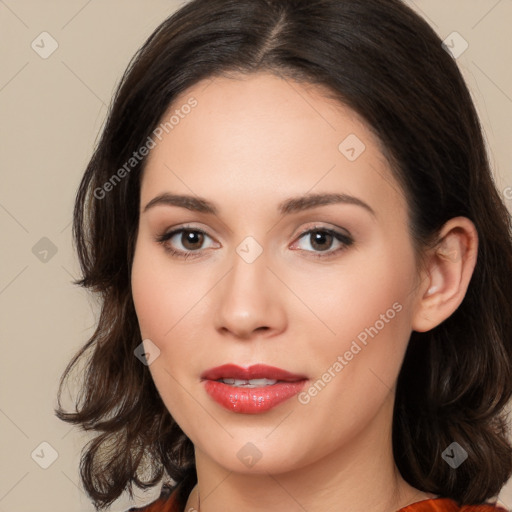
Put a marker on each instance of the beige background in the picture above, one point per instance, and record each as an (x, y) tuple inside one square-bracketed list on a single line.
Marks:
[(51, 112)]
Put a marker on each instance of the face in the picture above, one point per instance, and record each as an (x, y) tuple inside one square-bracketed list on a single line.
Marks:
[(253, 270)]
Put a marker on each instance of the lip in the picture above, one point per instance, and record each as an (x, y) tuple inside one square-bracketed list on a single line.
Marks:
[(251, 400), (256, 371)]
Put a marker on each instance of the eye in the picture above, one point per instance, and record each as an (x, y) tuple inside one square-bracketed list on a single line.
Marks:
[(321, 240), (190, 239), (186, 241)]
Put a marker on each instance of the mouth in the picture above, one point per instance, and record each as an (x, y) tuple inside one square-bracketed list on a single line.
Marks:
[(250, 383), (252, 390), (252, 373)]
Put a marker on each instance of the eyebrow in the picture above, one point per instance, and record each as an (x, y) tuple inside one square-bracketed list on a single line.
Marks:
[(286, 207)]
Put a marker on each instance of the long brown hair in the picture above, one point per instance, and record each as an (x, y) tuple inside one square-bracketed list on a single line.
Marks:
[(386, 63)]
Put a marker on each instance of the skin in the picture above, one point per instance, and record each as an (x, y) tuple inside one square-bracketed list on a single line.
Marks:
[(250, 143)]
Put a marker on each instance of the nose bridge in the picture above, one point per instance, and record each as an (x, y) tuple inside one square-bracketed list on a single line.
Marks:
[(248, 297), (247, 282)]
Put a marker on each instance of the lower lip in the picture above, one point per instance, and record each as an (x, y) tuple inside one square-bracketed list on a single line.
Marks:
[(252, 400)]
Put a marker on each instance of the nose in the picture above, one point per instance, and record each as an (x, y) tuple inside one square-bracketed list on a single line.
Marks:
[(250, 300)]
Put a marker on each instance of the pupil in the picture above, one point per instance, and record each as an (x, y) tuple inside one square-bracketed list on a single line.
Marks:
[(189, 239), (319, 238)]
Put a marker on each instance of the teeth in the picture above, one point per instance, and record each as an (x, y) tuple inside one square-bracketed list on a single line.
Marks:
[(252, 383)]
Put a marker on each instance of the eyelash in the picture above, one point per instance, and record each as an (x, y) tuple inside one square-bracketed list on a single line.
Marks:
[(165, 237)]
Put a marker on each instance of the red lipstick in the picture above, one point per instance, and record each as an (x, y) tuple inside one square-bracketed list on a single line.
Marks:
[(251, 390)]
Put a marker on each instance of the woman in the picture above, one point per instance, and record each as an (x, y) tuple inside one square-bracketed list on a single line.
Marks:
[(304, 265)]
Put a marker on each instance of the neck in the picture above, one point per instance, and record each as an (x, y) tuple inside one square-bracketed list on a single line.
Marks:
[(358, 476)]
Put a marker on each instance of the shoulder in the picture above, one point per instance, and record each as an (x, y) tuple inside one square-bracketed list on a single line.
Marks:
[(166, 502), (448, 505)]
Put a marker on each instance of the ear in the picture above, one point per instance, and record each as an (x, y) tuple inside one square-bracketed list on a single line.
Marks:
[(449, 268)]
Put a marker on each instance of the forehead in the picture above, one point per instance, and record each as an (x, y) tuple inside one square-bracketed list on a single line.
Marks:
[(259, 135)]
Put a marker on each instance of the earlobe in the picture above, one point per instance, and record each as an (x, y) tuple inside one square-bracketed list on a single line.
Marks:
[(449, 268)]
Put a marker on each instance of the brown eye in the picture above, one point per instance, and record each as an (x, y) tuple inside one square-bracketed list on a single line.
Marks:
[(183, 242), (320, 240), (192, 239)]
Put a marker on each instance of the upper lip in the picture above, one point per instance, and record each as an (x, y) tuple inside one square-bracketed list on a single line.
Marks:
[(257, 371)]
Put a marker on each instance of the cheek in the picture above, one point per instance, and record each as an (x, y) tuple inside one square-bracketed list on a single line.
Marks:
[(172, 311), (147, 295), (161, 293), (367, 289), (160, 312), (367, 309)]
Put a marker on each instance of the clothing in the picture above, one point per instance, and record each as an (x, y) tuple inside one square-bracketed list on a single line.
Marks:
[(447, 505), (166, 503)]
